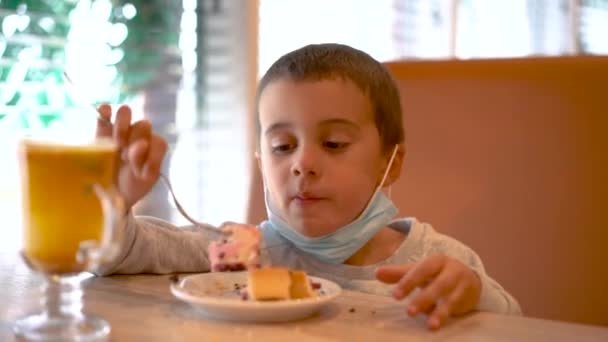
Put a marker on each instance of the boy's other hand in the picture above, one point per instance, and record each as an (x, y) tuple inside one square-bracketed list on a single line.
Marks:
[(141, 152), (448, 287)]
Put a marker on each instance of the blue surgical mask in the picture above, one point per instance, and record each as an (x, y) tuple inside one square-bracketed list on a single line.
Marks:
[(338, 246)]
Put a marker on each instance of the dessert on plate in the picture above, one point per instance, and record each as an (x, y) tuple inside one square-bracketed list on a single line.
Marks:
[(278, 283), (240, 251)]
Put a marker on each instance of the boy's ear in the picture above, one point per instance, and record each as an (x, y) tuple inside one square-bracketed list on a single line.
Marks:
[(395, 172)]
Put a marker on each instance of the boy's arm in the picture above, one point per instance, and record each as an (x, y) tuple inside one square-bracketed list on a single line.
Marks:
[(493, 297), (151, 245)]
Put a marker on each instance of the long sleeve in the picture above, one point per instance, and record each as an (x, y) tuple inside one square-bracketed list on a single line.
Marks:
[(151, 245), (493, 298)]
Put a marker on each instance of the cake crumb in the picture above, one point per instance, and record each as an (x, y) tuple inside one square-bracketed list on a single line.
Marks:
[(174, 278), (315, 285), (351, 310)]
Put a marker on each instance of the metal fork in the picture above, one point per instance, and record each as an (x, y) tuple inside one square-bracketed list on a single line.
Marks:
[(208, 227)]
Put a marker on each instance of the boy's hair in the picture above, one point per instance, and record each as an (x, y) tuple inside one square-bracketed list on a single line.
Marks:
[(329, 61)]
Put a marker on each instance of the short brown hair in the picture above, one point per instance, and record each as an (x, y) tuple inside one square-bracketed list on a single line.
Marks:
[(327, 61)]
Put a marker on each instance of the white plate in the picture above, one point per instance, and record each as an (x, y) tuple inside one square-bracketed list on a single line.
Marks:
[(216, 296)]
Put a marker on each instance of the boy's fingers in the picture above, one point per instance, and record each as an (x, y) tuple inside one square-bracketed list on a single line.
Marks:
[(444, 310), (156, 154), (439, 288), (439, 316), (104, 123), (419, 275), (137, 155), (141, 130), (392, 274), (122, 125)]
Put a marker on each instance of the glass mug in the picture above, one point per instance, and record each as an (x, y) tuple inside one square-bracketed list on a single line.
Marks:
[(71, 217)]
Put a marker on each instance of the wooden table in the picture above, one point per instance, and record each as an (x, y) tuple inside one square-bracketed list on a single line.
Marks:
[(141, 308)]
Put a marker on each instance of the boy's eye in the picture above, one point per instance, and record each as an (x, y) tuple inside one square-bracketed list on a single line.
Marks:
[(282, 148), (335, 145)]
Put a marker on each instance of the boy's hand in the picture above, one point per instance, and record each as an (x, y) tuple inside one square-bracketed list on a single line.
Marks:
[(141, 152), (448, 287)]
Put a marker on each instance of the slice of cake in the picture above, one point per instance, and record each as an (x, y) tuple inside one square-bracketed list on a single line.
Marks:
[(271, 283), (277, 283), (300, 285), (239, 251)]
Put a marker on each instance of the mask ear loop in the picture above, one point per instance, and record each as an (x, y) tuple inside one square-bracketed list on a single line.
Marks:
[(388, 169)]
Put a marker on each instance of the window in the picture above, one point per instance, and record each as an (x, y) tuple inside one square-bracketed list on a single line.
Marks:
[(39, 40), (391, 29), (183, 70), (210, 164), (593, 26), (287, 25)]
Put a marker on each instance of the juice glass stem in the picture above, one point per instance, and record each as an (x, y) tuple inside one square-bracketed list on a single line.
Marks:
[(62, 318)]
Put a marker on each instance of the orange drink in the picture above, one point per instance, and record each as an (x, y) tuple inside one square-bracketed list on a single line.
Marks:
[(60, 206)]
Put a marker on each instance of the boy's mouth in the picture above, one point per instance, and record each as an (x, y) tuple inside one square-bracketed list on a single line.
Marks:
[(306, 199)]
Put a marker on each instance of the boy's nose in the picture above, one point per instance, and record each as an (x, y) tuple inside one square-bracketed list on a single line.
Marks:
[(301, 171), (305, 163)]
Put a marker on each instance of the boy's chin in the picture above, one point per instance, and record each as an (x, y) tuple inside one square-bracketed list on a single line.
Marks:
[(312, 228)]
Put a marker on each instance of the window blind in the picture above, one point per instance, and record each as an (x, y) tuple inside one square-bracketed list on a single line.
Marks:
[(210, 165), (593, 26)]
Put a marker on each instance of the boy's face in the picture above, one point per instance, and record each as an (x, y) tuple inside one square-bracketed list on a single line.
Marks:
[(320, 152)]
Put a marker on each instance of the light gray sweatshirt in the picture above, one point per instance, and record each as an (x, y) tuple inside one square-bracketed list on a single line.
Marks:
[(151, 245)]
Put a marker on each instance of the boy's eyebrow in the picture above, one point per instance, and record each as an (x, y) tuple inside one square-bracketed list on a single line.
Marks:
[(276, 126), (339, 121)]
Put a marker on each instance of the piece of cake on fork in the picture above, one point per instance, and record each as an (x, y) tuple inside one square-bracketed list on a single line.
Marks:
[(238, 251)]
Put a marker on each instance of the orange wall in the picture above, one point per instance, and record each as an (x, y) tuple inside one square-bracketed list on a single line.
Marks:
[(510, 157)]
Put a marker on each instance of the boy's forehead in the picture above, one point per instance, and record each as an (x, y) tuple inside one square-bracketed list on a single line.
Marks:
[(314, 101)]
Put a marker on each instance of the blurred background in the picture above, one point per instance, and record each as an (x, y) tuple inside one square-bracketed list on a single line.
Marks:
[(191, 66)]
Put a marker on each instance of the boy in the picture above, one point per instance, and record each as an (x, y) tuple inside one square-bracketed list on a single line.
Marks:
[(331, 137)]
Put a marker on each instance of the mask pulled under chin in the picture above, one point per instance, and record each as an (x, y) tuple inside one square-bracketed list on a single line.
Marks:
[(338, 246)]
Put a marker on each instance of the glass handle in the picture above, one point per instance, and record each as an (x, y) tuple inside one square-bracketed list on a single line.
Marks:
[(113, 208), (94, 253)]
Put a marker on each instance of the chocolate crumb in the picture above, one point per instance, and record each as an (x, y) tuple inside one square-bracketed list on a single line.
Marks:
[(351, 310), (373, 312), (174, 278)]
